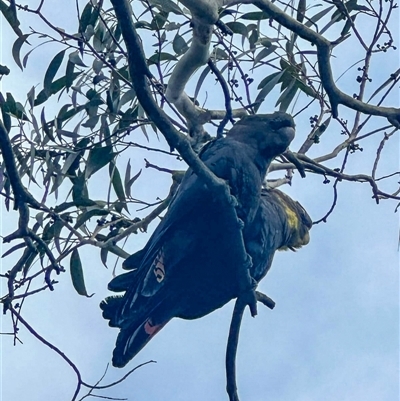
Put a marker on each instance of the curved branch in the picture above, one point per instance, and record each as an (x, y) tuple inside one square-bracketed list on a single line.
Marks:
[(204, 16), (324, 47), (225, 90), (139, 73), (52, 347), (69, 362), (96, 387), (20, 193)]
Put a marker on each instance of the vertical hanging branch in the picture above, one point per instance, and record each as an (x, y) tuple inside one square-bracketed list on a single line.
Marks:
[(231, 350), (233, 341)]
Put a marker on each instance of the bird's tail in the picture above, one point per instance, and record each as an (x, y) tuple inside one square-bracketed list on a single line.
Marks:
[(132, 339), (136, 330)]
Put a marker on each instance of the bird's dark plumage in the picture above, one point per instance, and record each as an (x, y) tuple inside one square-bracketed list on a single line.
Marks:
[(187, 269)]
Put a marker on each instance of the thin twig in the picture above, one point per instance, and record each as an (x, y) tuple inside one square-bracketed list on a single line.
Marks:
[(52, 347), (118, 381)]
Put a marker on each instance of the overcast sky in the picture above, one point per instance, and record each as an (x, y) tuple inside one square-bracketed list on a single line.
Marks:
[(334, 334)]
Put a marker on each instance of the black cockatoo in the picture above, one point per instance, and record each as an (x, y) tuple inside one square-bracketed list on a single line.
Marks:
[(187, 269)]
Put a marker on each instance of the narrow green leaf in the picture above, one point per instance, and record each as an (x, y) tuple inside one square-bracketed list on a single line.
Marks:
[(333, 21), (85, 216), (117, 182), (40, 218), (269, 84), (97, 159), (91, 122), (55, 87), (116, 250), (97, 65), (350, 6), (45, 126), (158, 57), (359, 7), (25, 59), (20, 112), (219, 54), (128, 96), (80, 195), (52, 71), (255, 16), (16, 49), (127, 178), (68, 162), (201, 80), (167, 6), (287, 96), (11, 104), (386, 83), (159, 21), (128, 184), (31, 96), (85, 17), (322, 128), (63, 206), (78, 281), (103, 256), (308, 90), (75, 58), (172, 26), (141, 115), (264, 53), (237, 27), (69, 134), (69, 74), (179, 45), (10, 14), (318, 16), (253, 38)]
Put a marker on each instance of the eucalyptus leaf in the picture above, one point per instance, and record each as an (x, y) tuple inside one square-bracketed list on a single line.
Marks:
[(97, 159), (52, 71), (16, 49), (78, 280)]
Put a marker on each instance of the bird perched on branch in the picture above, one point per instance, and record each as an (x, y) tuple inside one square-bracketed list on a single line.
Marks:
[(190, 265)]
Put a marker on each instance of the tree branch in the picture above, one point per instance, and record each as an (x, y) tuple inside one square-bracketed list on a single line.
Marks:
[(52, 347), (204, 16), (233, 340), (20, 193), (324, 47)]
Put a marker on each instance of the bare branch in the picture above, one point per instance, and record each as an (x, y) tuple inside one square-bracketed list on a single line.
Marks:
[(52, 347)]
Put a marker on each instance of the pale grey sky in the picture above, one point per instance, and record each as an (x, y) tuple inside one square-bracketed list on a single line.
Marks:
[(334, 334)]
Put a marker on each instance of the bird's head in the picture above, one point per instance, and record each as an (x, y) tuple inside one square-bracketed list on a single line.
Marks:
[(270, 134)]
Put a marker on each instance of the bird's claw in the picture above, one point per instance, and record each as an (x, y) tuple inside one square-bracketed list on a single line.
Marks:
[(249, 298)]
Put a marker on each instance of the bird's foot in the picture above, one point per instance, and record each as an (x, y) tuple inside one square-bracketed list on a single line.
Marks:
[(249, 298)]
